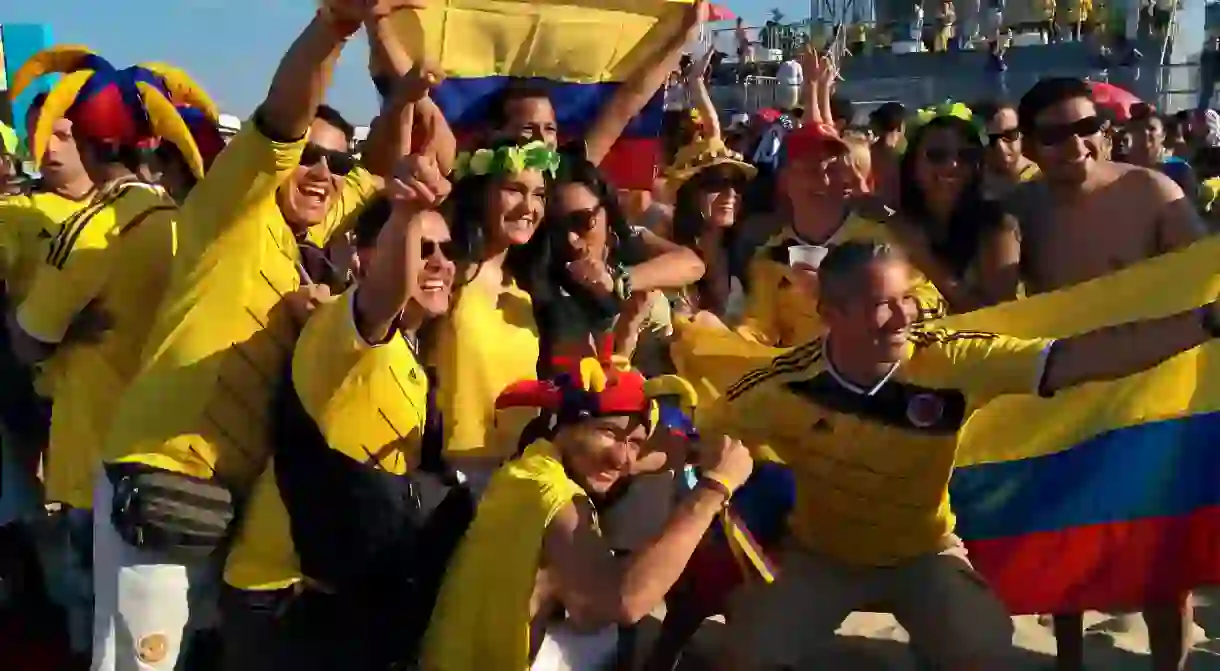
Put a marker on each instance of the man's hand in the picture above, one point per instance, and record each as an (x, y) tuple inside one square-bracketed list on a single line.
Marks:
[(302, 302), (695, 17), (415, 85), (727, 461), (806, 277), (418, 182)]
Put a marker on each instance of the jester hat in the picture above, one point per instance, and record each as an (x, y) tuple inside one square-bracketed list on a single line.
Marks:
[(133, 107), (597, 386)]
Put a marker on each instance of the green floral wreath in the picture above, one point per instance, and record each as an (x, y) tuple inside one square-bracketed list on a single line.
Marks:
[(508, 160), (945, 109)]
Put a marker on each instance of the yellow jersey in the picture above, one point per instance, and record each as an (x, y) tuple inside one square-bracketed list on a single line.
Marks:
[(201, 404), (482, 615), (872, 466), (113, 259), (780, 313), (368, 401), (27, 223), (485, 344)]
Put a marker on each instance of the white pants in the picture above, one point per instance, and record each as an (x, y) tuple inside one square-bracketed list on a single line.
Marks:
[(566, 650), (144, 604)]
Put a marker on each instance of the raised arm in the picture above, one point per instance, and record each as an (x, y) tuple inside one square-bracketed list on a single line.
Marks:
[(701, 98), (304, 74), (640, 87), (598, 590), (394, 70), (416, 188)]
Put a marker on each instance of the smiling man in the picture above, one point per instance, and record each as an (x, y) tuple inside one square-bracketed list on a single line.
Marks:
[(867, 417), (1086, 218), (192, 432)]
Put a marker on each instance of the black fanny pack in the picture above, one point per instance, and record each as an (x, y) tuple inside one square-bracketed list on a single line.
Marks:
[(178, 515)]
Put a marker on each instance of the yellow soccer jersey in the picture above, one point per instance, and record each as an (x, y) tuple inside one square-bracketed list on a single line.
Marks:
[(872, 466)]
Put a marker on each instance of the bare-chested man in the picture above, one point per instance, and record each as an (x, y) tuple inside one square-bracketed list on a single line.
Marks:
[(1085, 218)]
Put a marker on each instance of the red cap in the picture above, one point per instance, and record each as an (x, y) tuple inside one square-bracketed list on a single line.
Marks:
[(813, 139), (767, 115)]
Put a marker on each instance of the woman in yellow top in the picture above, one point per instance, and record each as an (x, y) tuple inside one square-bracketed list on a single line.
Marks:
[(533, 574), (351, 427), (490, 339)]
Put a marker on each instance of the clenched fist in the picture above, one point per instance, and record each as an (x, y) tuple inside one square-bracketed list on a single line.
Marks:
[(726, 460), (302, 302)]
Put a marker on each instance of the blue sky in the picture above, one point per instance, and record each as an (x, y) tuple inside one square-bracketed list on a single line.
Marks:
[(231, 46)]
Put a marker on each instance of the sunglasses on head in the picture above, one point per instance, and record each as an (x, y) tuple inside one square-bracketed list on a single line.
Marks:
[(1060, 133), (429, 248), (1010, 135), (945, 156), (338, 162)]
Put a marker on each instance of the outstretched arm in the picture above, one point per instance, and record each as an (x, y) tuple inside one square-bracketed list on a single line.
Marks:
[(1127, 349), (635, 93)]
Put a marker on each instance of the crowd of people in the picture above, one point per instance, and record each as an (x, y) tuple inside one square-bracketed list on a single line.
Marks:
[(278, 404)]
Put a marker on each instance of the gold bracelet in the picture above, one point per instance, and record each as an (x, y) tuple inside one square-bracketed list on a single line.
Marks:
[(717, 485)]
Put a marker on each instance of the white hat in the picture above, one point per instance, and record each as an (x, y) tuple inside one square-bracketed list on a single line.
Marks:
[(739, 120)]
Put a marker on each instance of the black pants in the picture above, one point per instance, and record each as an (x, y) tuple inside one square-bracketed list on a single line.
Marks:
[(292, 628)]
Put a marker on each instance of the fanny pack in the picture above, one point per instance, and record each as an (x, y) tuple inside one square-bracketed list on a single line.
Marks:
[(182, 516)]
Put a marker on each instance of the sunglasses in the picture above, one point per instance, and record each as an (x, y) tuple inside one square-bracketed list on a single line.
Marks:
[(1010, 135), (944, 156), (338, 162), (719, 181), (429, 248), (1060, 133), (580, 221)]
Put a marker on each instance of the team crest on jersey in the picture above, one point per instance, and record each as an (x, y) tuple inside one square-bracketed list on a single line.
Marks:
[(925, 410)]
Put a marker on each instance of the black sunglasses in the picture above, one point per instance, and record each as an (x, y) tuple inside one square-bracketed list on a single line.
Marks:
[(1060, 133), (338, 162), (719, 181), (447, 248), (945, 156), (1010, 135), (580, 221)]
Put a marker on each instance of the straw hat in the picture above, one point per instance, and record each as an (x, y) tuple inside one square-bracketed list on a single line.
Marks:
[(702, 154)]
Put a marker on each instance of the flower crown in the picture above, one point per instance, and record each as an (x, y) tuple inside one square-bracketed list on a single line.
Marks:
[(507, 160), (946, 109)]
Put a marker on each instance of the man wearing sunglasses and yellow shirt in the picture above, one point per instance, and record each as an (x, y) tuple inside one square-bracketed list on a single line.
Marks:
[(192, 431)]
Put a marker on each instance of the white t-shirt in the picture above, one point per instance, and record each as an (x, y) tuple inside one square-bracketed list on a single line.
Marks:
[(790, 74)]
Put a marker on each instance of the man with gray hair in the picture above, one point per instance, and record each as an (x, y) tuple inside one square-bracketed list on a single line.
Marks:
[(867, 417)]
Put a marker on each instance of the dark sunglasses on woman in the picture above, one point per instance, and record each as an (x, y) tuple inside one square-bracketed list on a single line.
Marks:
[(719, 180), (338, 162), (945, 156), (1053, 134), (1010, 135)]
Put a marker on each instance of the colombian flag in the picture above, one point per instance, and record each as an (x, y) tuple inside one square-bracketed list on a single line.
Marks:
[(1107, 495), (581, 49)]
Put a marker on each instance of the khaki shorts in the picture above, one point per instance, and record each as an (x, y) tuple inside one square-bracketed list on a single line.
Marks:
[(947, 608)]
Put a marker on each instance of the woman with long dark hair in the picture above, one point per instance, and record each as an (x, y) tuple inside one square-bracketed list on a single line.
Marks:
[(966, 244), (491, 336), (607, 273)]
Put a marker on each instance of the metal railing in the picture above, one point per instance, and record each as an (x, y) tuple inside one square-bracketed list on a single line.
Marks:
[(1168, 87)]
